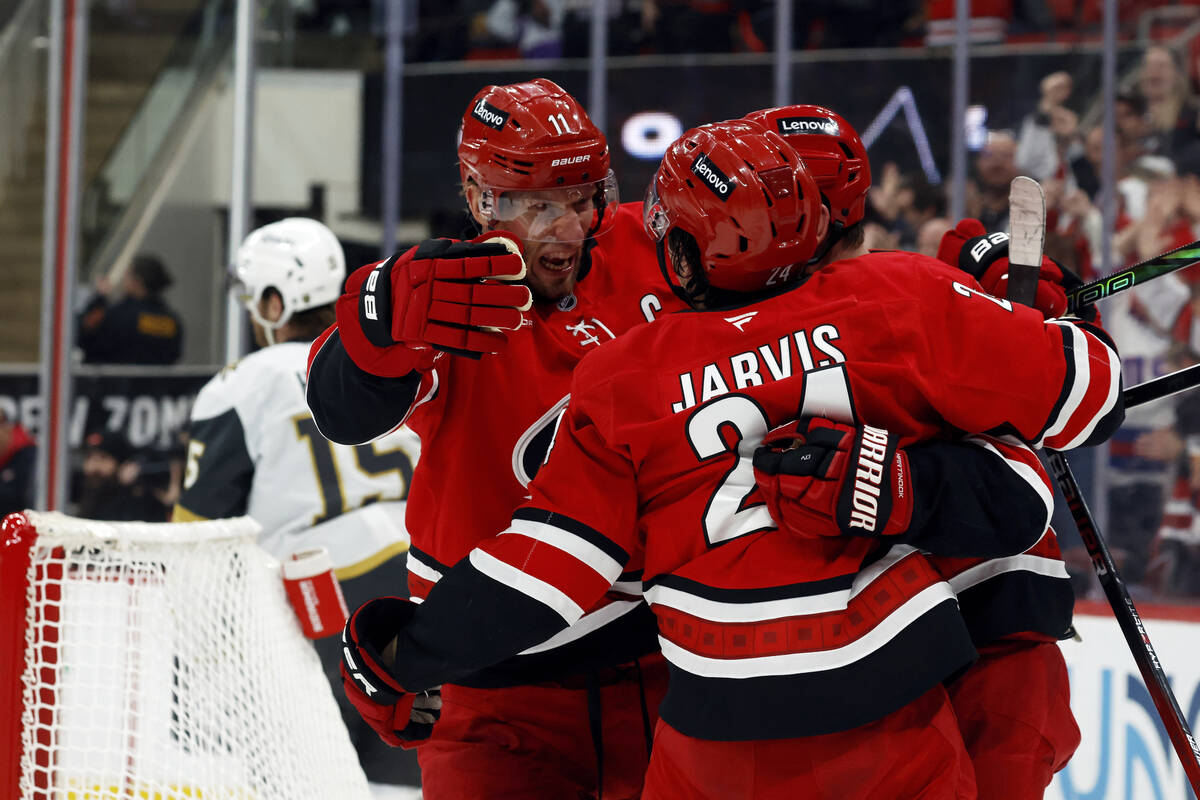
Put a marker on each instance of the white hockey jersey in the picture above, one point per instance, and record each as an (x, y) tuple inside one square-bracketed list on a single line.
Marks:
[(255, 450)]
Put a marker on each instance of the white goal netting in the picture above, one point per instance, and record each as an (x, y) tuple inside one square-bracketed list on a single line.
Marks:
[(162, 662)]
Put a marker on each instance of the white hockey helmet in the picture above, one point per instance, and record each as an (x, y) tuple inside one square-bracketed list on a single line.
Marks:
[(297, 257)]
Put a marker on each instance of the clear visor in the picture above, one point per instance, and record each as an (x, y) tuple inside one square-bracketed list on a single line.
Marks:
[(564, 214), (655, 216)]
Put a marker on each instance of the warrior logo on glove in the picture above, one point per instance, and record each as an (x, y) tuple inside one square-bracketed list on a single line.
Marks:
[(825, 478), (401, 718)]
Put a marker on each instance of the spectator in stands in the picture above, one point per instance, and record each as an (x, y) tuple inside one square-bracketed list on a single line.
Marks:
[(920, 202), (929, 235), (995, 167), (1135, 136), (899, 206), (534, 27), (1048, 133), (1174, 569), (17, 456), (1074, 228), (111, 489), (1134, 139), (1087, 164), (140, 328), (1171, 108)]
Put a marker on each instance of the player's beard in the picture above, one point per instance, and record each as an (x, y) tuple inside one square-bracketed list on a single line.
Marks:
[(553, 268)]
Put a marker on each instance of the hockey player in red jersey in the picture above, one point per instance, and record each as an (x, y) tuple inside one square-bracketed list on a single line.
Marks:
[(575, 712), (806, 667), (1014, 704)]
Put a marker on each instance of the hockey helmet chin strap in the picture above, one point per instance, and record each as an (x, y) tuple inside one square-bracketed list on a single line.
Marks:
[(267, 325)]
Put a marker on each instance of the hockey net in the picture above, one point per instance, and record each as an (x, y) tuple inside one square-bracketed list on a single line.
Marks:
[(158, 662)]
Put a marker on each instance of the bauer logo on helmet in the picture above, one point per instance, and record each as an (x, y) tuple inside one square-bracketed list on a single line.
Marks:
[(720, 183), (489, 115), (792, 125)]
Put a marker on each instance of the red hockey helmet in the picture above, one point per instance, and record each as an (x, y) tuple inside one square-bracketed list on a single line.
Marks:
[(534, 137), (746, 198), (832, 151)]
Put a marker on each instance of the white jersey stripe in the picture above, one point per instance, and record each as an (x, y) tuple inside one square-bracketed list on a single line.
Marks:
[(715, 611), (591, 621), (579, 549), (1079, 386), (628, 587), (526, 584), (1039, 565), (1026, 472), (422, 570), (718, 611), (799, 663), (1114, 383)]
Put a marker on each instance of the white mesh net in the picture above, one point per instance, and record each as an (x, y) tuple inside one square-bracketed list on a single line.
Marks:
[(164, 662)]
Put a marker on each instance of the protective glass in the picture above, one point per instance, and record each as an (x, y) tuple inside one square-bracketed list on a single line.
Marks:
[(564, 214)]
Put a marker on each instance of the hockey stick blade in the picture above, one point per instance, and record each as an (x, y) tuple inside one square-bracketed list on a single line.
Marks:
[(1027, 232), (1170, 261), (1163, 386), (1130, 623)]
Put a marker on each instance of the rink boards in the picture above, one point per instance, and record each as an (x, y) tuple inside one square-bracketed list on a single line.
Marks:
[(1125, 753)]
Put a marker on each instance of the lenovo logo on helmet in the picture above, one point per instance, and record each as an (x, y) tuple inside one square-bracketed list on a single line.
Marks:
[(566, 162), (489, 115), (720, 183), (793, 125)]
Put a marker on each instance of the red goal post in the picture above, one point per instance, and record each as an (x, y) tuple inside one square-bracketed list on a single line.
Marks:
[(158, 661)]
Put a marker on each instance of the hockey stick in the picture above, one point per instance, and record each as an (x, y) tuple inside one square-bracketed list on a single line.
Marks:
[(1170, 261), (1028, 227), (1027, 221), (1130, 623), (1163, 386)]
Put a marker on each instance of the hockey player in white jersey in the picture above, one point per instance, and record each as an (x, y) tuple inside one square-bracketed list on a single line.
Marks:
[(255, 450)]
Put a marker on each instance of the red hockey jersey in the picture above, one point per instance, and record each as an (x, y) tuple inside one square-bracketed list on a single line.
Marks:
[(769, 635), (484, 426)]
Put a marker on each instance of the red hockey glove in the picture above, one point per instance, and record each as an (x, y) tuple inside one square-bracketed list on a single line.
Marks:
[(824, 478), (401, 718), (985, 256), (454, 296)]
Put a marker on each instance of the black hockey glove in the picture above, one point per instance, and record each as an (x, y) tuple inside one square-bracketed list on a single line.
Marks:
[(985, 256), (825, 478), (400, 717)]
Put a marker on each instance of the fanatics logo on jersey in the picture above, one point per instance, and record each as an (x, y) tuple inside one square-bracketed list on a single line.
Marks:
[(720, 183), (741, 319), (489, 115), (793, 125)]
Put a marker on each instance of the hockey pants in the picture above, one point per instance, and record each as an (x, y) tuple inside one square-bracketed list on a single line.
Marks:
[(914, 753), (526, 742), (1014, 709)]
